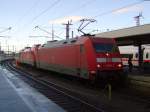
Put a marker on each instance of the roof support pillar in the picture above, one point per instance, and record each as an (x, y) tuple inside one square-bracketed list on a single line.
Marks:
[(140, 52)]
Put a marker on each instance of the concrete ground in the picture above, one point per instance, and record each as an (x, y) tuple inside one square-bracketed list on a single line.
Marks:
[(17, 96)]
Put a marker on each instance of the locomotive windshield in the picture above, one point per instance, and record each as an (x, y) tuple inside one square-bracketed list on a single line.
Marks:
[(99, 47)]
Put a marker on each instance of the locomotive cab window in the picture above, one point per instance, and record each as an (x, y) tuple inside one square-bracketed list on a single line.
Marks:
[(105, 47)]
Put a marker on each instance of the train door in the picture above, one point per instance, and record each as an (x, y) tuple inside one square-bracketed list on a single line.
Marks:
[(79, 52), (146, 60), (36, 54), (37, 58), (135, 59), (81, 70)]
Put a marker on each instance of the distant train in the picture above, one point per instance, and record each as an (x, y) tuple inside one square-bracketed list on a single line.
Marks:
[(135, 58), (86, 57)]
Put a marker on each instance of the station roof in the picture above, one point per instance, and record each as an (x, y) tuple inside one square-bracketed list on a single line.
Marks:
[(129, 36)]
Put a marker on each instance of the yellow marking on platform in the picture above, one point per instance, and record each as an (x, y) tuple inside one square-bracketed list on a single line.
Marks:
[(109, 92)]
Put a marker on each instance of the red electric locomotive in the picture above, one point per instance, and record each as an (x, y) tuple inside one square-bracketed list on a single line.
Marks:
[(26, 56), (87, 57)]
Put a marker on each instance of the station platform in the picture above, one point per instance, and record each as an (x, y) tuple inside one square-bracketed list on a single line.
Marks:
[(140, 77), (17, 96)]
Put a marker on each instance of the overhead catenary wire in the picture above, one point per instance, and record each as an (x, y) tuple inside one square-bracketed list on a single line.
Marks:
[(57, 1), (47, 31), (82, 6), (27, 12), (25, 15), (115, 10), (111, 11), (45, 10), (32, 36), (118, 9), (41, 13), (6, 29)]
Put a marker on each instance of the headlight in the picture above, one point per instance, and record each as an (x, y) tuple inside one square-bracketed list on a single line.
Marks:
[(119, 65), (93, 72), (98, 66)]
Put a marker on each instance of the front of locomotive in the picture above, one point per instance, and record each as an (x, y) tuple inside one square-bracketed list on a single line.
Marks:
[(108, 63)]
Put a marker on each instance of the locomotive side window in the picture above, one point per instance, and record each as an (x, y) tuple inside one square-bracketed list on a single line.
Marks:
[(99, 47), (147, 55)]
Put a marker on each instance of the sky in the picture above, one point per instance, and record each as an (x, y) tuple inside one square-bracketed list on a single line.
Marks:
[(22, 16)]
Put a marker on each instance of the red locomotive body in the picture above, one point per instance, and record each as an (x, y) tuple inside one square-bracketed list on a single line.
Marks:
[(26, 56), (85, 57)]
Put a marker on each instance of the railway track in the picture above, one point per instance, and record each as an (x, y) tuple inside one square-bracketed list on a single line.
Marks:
[(69, 102), (96, 97), (139, 82)]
